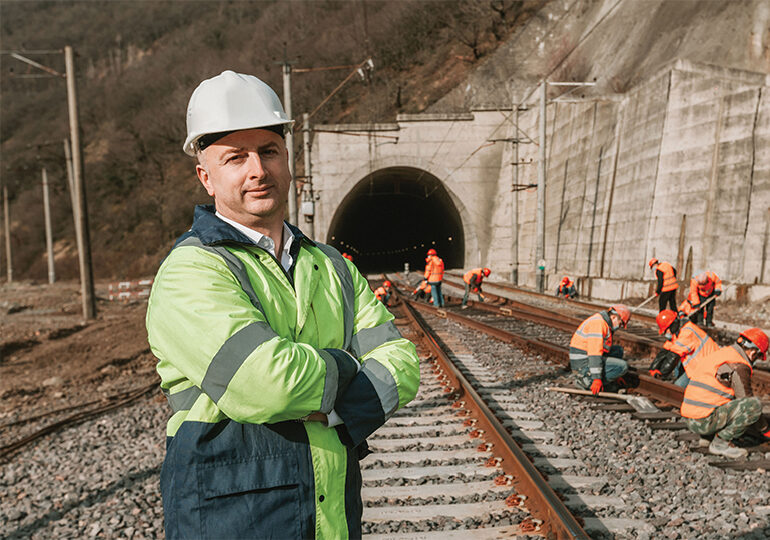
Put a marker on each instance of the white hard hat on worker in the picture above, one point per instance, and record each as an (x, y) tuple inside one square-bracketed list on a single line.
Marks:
[(236, 125)]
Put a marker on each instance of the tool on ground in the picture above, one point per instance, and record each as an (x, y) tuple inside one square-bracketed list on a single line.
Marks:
[(643, 303), (639, 403)]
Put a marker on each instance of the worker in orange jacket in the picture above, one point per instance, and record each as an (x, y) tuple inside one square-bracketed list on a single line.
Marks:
[(592, 356), (667, 283), (719, 400), (473, 279), (687, 343), (703, 287), (566, 288), (434, 274), (422, 292), (383, 292)]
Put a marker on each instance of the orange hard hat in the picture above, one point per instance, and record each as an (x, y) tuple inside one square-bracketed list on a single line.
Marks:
[(664, 320), (431, 251), (653, 262), (486, 272), (757, 338), (622, 311), (565, 279), (387, 283)]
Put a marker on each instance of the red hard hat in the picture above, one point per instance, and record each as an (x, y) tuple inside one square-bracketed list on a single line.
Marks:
[(622, 311), (486, 272), (653, 262), (387, 283), (757, 338), (664, 320), (565, 279), (431, 251)]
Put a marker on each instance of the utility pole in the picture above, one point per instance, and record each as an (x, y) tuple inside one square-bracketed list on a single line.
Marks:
[(84, 258), (308, 199), (48, 233), (515, 201), (7, 221), (540, 216), (286, 65), (73, 196)]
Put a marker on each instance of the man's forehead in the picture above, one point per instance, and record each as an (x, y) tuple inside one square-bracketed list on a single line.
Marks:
[(247, 138)]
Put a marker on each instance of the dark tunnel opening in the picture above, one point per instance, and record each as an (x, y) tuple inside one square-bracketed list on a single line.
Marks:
[(393, 216)]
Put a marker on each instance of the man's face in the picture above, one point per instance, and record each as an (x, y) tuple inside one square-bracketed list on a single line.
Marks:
[(247, 173)]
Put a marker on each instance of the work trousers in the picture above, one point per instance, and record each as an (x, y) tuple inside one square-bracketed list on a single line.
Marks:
[(667, 297), (468, 292), (709, 312), (730, 420), (614, 368), (435, 291)]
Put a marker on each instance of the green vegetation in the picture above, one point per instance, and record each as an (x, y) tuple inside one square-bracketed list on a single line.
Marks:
[(137, 64)]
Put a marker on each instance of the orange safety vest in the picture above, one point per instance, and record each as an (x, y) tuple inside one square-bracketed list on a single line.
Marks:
[(380, 293), (470, 280), (712, 282), (691, 343), (704, 392), (434, 270), (669, 277), (423, 286), (592, 338)]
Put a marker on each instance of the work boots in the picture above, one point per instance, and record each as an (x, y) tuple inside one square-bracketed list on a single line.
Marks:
[(721, 447)]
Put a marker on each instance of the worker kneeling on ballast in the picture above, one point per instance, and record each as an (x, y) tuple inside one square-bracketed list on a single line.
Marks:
[(686, 344), (718, 399), (595, 361)]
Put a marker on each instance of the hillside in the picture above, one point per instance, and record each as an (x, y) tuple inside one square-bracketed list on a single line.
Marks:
[(138, 62)]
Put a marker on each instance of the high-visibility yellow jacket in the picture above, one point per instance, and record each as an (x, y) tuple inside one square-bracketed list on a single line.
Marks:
[(690, 344), (246, 350), (592, 340), (705, 392)]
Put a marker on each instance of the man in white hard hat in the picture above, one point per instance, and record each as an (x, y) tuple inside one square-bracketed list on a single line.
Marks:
[(275, 356)]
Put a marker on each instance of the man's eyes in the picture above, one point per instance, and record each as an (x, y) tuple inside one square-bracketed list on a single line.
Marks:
[(266, 153)]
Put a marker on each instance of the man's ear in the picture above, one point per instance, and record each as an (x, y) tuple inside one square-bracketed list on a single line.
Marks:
[(203, 176)]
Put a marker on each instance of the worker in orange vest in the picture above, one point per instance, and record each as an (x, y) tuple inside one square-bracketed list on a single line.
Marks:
[(703, 287), (686, 344), (383, 292), (667, 284), (566, 288), (422, 292), (719, 399), (473, 279), (434, 274), (592, 356)]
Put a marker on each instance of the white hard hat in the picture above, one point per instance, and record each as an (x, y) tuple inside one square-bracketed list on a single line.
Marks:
[(231, 102)]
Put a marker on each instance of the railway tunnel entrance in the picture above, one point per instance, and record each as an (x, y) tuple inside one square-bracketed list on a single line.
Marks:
[(393, 216)]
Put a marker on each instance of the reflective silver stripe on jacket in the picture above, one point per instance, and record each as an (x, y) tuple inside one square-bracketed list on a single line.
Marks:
[(348, 293), (711, 389), (369, 339), (696, 352), (384, 384), (331, 382), (184, 400), (699, 403)]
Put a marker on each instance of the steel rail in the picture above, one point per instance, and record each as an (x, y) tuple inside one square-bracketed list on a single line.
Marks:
[(543, 502)]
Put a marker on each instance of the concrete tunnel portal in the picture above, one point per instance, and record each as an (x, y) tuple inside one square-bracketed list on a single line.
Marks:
[(393, 216)]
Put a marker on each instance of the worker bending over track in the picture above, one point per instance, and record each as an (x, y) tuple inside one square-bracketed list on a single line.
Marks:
[(434, 274), (719, 401), (473, 280), (383, 292), (594, 360), (666, 286), (422, 292), (275, 356), (566, 288), (699, 304), (686, 344)]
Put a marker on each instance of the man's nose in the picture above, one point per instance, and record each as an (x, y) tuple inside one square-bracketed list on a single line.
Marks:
[(256, 168)]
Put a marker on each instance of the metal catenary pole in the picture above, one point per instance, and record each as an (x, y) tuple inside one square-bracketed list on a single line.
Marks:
[(73, 196), (86, 271), (515, 203), (7, 227), (541, 176), (309, 198), (48, 232), (290, 144)]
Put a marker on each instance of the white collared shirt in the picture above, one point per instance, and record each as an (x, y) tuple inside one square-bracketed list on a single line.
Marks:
[(265, 242)]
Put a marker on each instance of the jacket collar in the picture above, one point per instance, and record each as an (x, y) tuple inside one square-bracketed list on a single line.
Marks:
[(212, 231)]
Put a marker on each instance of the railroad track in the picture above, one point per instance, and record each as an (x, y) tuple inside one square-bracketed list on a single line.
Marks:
[(665, 395)]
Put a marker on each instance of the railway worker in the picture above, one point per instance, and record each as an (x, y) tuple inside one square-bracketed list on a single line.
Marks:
[(699, 305), (719, 401), (384, 292), (275, 356), (566, 288), (473, 280), (667, 285), (348, 256), (593, 358), (422, 292), (686, 344), (434, 274)]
